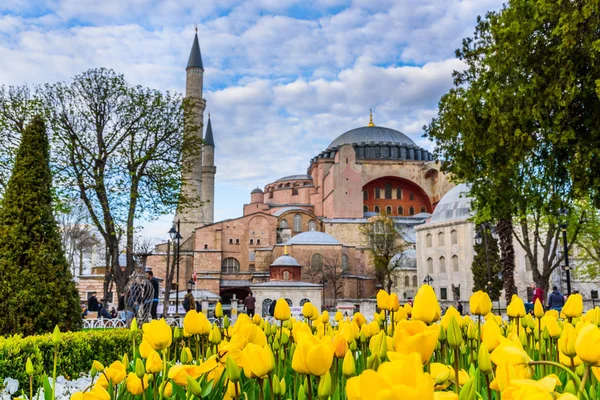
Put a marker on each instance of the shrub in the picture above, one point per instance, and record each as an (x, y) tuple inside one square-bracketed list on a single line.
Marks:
[(77, 351)]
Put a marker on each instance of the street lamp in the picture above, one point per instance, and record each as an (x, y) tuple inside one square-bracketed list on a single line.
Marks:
[(563, 226), (175, 235), (478, 240), (428, 280)]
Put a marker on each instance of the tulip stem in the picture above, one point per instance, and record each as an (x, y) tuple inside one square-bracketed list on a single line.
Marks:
[(586, 375), (261, 392), (54, 372), (567, 370), (164, 372), (30, 387), (487, 386), (310, 392), (456, 354)]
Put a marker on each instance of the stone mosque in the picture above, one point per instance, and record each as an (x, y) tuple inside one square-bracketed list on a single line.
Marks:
[(312, 218)]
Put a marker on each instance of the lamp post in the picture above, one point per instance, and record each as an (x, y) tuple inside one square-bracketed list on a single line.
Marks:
[(175, 235), (563, 226), (428, 280), (478, 240)]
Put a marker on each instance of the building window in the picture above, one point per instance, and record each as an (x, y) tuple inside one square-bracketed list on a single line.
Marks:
[(251, 267), (257, 241), (316, 262), (237, 241), (400, 210), (297, 223), (430, 265), (283, 224), (453, 237), (411, 196), (230, 266), (411, 211), (365, 209), (423, 209), (455, 263), (406, 281), (251, 241), (230, 241), (286, 275), (294, 191), (442, 264), (441, 239), (205, 247), (344, 263), (398, 193), (376, 209), (312, 225), (414, 280), (265, 307), (388, 190), (365, 195), (377, 193), (428, 240), (303, 302), (443, 293), (388, 210)]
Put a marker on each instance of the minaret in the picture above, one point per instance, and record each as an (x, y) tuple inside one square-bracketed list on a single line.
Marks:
[(208, 174), (190, 212)]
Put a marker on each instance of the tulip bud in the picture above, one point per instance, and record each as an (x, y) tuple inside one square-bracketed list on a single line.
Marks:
[(580, 369), (276, 386), (97, 365), (29, 367), (538, 309), (353, 345), (56, 336), (472, 331), (301, 393), (282, 385), (442, 335), (523, 337), (177, 333), (209, 353), (214, 336), (363, 337), (125, 360), (166, 388), (281, 354), (134, 326), (226, 322), (275, 345), (233, 371), (570, 387), (463, 349), (324, 389), (545, 334), (373, 362), (349, 365), (219, 310), (140, 370), (194, 386), (485, 364), (469, 390), (183, 356), (454, 335), (285, 339)]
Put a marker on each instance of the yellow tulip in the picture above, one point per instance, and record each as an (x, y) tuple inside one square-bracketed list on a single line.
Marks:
[(307, 310), (77, 396), (324, 388), (483, 359), (552, 325), (349, 365), (569, 361), (394, 302), (451, 313), (538, 309), (573, 308), (145, 349), (338, 316), (426, 307), (529, 389), (383, 300), (566, 343), (445, 396), (282, 310), (158, 334), (325, 317), (258, 361), (509, 352), (359, 319), (593, 316), (97, 366), (505, 373), (415, 336), (179, 373), (153, 363), (196, 323), (313, 356), (167, 389), (340, 345), (116, 372), (480, 303), (490, 334), (440, 372), (516, 308), (97, 393), (219, 310), (135, 385), (587, 345)]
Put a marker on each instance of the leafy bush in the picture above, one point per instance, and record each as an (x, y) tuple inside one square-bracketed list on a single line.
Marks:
[(77, 351)]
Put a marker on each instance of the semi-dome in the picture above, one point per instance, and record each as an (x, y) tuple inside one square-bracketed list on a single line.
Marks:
[(372, 135), (455, 204), (257, 190), (285, 261), (312, 237), (295, 178)]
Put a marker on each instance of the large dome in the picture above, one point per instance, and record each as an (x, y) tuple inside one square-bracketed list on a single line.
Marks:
[(455, 204), (372, 135), (312, 237)]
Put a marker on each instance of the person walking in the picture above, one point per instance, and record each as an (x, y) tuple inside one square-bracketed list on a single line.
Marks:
[(189, 303), (250, 304), (556, 300), (93, 302), (154, 283)]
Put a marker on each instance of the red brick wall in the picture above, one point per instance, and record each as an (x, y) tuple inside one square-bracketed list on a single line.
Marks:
[(420, 197)]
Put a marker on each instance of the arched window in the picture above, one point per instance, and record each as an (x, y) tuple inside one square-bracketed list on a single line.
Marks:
[(428, 240), (423, 209), (414, 280), (398, 193), (365, 195), (289, 302), (376, 209), (265, 307), (442, 264), (441, 239), (411, 196), (303, 301), (388, 210), (400, 210), (286, 275), (430, 265), (454, 237), (377, 193), (283, 224), (365, 208), (411, 211), (316, 262), (406, 281), (230, 266), (344, 263), (312, 225), (455, 263), (297, 223)]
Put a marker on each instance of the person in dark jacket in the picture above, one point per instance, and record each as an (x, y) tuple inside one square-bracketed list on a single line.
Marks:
[(154, 283), (272, 308), (556, 300), (93, 302), (250, 304)]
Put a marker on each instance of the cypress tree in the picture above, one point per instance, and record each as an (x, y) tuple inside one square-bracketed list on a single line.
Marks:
[(480, 263), (37, 291)]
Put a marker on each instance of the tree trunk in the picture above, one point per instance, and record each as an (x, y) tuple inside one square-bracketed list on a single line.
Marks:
[(507, 256)]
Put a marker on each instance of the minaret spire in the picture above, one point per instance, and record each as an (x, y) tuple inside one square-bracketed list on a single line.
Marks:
[(371, 118), (195, 60), (208, 137)]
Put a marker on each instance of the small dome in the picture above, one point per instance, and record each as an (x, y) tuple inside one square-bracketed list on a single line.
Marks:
[(372, 134), (285, 261), (312, 237), (257, 190), (455, 204), (295, 178)]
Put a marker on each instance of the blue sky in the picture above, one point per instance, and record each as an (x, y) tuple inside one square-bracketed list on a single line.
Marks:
[(283, 78)]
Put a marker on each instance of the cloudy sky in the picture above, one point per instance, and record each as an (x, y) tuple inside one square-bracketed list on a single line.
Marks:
[(283, 78)]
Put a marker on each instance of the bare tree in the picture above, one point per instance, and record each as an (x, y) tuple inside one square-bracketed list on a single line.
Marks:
[(78, 237), (332, 276)]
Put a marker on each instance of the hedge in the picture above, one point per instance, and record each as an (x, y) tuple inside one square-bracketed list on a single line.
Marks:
[(77, 351)]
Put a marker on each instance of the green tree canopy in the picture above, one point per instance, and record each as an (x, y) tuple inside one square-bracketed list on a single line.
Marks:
[(37, 291)]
